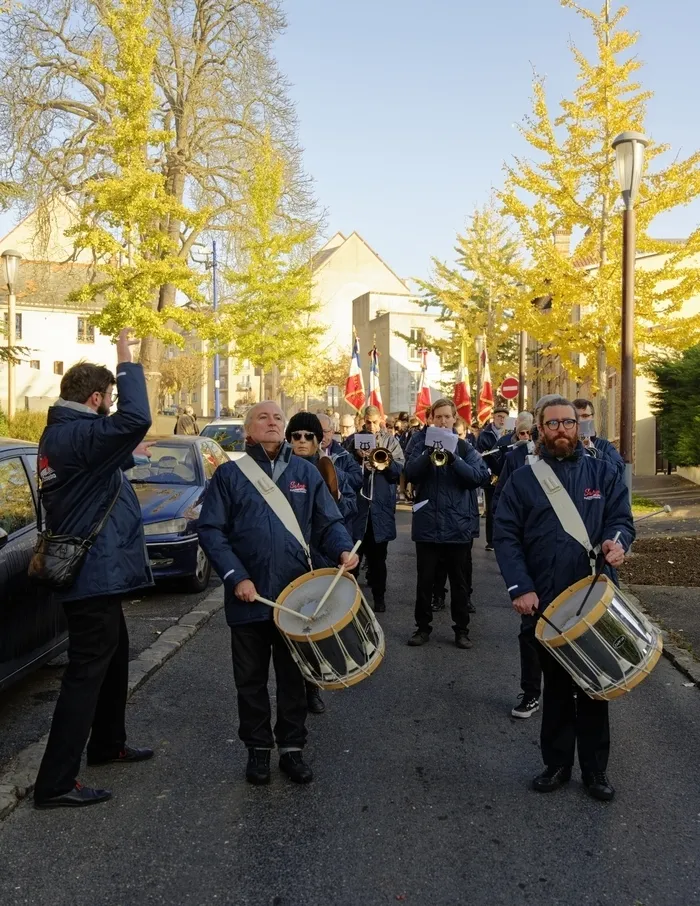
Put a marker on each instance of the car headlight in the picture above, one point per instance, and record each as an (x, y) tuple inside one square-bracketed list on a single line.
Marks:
[(171, 527)]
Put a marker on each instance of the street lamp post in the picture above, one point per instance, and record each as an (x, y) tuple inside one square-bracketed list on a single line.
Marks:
[(522, 370), (12, 260), (211, 262), (629, 149)]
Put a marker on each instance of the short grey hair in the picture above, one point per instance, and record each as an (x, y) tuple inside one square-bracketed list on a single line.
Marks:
[(326, 421), (556, 401), (250, 414), (546, 400), (524, 421), (371, 410)]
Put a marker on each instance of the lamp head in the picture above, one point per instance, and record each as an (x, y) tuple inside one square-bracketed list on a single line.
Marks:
[(12, 260), (629, 150)]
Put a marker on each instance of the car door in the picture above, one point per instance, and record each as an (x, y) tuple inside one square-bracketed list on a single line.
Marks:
[(31, 622)]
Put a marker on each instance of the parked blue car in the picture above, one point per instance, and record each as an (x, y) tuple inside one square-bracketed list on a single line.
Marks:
[(32, 624), (170, 488)]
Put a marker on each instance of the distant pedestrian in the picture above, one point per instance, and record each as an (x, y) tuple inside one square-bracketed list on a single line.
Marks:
[(82, 454), (187, 422)]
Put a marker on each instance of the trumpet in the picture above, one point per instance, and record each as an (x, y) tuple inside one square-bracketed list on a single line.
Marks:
[(439, 458), (377, 461)]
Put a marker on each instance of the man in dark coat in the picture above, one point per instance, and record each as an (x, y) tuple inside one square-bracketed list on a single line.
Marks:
[(488, 440), (254, 554), (445, 522), (376, 520), (82, 455), (602, 447), (539, 560)]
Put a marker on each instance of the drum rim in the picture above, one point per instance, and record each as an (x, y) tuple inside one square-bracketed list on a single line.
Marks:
[(583, 625), (344, 621), (366, 672), (641, 674)]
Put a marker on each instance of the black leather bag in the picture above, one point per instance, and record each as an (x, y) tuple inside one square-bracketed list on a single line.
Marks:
[(57, 559)]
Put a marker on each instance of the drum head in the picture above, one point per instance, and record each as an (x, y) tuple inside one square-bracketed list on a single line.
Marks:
[(562, 611), (303, 596)]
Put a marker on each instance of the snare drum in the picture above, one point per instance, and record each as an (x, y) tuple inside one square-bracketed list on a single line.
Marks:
[(610, 648), (344, 644)]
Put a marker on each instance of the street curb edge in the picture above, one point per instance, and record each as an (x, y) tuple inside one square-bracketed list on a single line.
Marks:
[(17, 781)]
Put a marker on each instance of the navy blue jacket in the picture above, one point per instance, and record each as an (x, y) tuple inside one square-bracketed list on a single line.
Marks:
[(382, 512), (81, 458), (487, 439), (609, 453), (343, 459), (417, 437), (534, 552), (244, 539), (513, 460), (446, 509)]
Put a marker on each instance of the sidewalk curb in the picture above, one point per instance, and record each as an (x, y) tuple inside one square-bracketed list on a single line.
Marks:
[(17, 781), (679, 657)]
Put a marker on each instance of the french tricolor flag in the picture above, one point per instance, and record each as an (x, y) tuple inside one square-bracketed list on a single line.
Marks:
[(354, 385), (375, 394)]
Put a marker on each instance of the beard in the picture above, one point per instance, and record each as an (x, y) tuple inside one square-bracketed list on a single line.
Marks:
[(102, 409), (561, 446)]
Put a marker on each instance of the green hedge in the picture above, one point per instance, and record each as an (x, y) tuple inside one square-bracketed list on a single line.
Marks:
[(24, 426), (677, 406)]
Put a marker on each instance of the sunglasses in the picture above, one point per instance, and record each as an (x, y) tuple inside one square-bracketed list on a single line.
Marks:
[(554, 423), (303, 435)]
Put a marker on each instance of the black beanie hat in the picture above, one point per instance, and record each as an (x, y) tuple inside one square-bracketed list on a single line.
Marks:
[(305, 421)]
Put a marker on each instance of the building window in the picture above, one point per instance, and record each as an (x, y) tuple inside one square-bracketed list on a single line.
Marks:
[(18, 326), (194, 397), (86, 331), (58, 367), (34, 363), (415, 344)]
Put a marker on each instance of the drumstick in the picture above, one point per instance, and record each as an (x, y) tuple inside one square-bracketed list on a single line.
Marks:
[(282, 607), (598, 573), (335, 581)]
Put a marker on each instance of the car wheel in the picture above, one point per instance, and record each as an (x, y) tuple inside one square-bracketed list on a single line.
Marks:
[(200, 580)]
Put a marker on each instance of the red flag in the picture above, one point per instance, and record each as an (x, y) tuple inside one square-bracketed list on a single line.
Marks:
[(463, 396), (375, 395), (423, 399), (486, 396), (354, 385)]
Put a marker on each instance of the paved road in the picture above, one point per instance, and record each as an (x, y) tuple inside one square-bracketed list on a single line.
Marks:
[(421, 792), (26, 708)]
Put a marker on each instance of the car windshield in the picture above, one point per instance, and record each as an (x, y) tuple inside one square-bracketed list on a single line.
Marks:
[(230, 437), (169, 464)]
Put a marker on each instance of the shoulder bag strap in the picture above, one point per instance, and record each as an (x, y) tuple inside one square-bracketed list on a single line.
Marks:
[(564, 507), (274, 498)]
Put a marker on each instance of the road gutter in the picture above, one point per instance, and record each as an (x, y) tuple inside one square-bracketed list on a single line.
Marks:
[(17, 780)]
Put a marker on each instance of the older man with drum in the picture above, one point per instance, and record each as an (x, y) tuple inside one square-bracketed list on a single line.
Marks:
[(540, 558), (256, 554)]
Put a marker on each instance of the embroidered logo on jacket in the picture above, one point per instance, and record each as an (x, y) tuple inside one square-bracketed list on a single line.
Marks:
[(591, 494), (297, 487), (46, 473)]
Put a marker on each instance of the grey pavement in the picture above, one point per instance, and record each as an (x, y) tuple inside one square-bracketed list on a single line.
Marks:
[(26, 707), (677, 609), (420, 795), (680, 494)]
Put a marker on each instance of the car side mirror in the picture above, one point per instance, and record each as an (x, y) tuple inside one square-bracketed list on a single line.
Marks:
[(4, 537)]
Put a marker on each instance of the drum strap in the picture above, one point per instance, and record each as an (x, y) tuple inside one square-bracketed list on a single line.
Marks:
[(564, 508), (274, 498)]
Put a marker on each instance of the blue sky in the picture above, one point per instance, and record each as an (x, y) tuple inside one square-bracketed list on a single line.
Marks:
[(407, 107)]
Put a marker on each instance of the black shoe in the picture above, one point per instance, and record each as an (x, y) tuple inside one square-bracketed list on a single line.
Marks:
[(552, 778), (462, 639), (470, 606), (296, 768), (80, 795), (489, 547), (598, 785), (379, 605), (419, 637), (258, 768), (314, 702), (128, 755), (438, 603), (526, 707)]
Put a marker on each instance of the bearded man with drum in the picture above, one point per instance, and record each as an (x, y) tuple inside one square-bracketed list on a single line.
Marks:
[(539, 560), (255, 554)]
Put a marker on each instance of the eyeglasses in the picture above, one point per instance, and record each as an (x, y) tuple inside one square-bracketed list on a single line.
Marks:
[(554, 423), (302, 435)]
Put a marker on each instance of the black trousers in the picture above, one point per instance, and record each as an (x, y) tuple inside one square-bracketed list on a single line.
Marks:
[(457, 559), (568, 722), (440, 589), (93, 693), (530, 669), (375, 552), (251, 647), (488, 499)]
